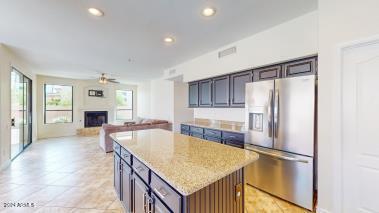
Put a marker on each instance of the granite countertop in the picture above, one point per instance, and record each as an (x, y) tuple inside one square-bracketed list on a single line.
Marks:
[(231, 126), (187, 163)]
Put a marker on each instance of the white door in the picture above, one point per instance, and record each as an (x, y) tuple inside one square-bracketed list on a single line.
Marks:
[(360, 128)]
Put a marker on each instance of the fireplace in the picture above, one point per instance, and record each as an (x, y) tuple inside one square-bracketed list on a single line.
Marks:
[(95, 118)]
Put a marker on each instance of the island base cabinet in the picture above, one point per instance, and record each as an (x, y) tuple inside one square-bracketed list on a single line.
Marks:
[(140, 196), (224, 196), (117, 175), (126, 185)]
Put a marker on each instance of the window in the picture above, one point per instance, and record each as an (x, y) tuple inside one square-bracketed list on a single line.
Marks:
[(58, 104), (124, 105)]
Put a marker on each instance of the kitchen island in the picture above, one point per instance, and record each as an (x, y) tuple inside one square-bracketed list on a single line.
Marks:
[(161, 171)]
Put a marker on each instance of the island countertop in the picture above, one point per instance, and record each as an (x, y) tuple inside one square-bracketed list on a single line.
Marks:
[(188, 164)]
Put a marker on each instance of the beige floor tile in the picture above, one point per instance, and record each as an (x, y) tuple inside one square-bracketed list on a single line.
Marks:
[(42, 197)]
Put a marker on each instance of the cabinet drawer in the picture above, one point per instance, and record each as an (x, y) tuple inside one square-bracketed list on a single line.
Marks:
[(194, 129), (212, 133), (302, 67), (185, 128), (238, 144), (233, 136), (209, 138), (126, 156), (169, 196), (116, 148), (141, 169), (196, 135)]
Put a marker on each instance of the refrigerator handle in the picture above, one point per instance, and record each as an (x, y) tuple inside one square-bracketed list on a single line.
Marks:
[(276, 114), (269, 114)]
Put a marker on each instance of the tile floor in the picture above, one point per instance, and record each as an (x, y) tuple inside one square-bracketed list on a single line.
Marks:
[(72, 174)]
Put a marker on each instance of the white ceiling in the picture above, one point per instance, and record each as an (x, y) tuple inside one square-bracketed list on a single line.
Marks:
[(59, 37)]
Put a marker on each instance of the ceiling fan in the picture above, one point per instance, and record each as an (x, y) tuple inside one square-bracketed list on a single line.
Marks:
[(104, 80)]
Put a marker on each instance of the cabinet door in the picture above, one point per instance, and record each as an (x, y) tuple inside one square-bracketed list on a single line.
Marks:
[(126, 183), (301, 67), (193, 94), (117, 175), (237, 88), (205, 93), (140, 195), (159, 207), (267, 73), (221, 91)]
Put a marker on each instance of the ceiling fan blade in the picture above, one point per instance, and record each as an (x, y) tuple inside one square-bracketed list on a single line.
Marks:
[(113, 81)]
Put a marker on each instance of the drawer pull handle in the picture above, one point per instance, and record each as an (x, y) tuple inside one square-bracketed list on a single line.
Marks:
[(161, 192), (232, 136), (144, 203)]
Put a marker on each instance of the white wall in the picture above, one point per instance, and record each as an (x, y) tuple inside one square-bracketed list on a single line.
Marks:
[(166, 100), (162, 99), (340, 21), (293, 39), (7, 60), (181, 111), (81, 103), (143, 100)]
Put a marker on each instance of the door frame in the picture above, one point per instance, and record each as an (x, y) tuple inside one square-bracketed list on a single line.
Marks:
[(30, 136), (337, 124)]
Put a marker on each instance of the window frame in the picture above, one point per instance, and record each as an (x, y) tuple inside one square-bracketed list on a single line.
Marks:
[(132, 109), (72, 104)]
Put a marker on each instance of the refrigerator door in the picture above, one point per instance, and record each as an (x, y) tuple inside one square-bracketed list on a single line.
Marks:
[(259, 113), (284, 175), (294, 115)]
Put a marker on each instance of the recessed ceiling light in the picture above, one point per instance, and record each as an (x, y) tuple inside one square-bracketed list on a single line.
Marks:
[(208, 11), (169, 39), (95, 12)]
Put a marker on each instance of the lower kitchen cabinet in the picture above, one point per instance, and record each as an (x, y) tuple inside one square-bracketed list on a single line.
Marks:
[(140, 195), (229, 138), (117, 176), (155, 195), (126, 185)]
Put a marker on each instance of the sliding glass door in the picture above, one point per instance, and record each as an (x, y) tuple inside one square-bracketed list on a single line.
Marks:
[(21, 112)]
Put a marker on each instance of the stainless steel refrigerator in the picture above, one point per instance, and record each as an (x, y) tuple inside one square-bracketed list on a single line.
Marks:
[(280, 115)]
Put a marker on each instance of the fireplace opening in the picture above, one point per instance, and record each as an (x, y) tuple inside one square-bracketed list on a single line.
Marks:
[(95, 118)]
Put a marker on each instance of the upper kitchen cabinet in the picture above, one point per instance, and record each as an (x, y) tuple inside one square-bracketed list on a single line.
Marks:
[(237, 88), (205, 93), (193, 96), (300, 67), (221, 91), (267, 73)]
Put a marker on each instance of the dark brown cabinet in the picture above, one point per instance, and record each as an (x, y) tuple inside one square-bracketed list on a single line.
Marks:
[(155, 195), (229, 90), (117, 176), (193, 94), (126, 184), (237, 88), (301, 67), (229, 138), (140, 195), (221, 91), (267, 73), (205, 93)]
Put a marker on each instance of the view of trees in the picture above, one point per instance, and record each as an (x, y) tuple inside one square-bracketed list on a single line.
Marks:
[(58, 103)]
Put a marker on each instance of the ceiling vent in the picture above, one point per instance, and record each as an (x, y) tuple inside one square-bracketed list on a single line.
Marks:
[(227, 52)]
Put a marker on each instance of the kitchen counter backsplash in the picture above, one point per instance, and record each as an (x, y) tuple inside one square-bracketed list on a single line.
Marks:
[(232, 126)]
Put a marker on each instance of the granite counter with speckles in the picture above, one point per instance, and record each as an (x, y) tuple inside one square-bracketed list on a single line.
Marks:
[(188, 164)]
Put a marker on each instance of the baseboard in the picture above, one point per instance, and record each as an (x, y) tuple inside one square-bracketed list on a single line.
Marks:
[(5, 165), (321, 210)]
